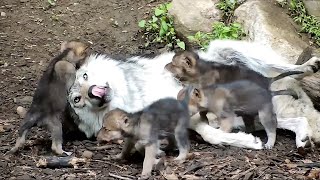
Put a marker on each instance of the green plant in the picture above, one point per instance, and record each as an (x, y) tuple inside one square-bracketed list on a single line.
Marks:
[(219, 31), (309, 23), (282, 3), (52, 2), (160, 29), (227, 7)]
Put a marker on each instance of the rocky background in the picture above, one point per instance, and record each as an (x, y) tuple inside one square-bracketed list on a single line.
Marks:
[(264, 22)]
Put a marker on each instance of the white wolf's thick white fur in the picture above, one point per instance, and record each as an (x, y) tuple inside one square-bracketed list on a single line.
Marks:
[(141, 81)]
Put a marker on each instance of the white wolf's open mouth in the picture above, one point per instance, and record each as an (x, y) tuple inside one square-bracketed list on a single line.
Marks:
[(97, 91), (102, 93)]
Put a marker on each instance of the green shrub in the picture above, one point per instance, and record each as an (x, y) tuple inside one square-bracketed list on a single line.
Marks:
[(160, 29), (309, 23), (219, 31), (52, 2), (227, 7)]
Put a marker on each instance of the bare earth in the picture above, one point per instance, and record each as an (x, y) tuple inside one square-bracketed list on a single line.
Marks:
[(30, 35)]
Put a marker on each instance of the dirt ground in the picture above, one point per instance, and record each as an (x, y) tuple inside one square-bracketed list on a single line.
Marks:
[(30, 35)]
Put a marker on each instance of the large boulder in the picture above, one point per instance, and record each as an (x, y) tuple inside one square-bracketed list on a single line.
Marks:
[(191, 16), (310, 84), (268, 24), (313, 7)]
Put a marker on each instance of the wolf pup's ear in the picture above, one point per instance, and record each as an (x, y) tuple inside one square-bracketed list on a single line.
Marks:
[(126, 121), (181, 94), (190, 58)]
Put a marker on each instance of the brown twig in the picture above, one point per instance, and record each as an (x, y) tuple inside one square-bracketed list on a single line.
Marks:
[(196, 167), (59, 162), (119, 177), (98, 148), (110, 164), (309, 165), (238, 176)]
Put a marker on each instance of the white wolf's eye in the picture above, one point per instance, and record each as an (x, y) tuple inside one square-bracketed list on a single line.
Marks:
[(77, 99), (85, 76)]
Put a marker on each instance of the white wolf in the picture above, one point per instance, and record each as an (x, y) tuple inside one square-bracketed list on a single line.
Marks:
[(104, 83)]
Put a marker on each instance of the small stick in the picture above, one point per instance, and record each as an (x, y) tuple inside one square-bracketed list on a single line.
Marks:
[(309, 165), (239, 175), (98, 148), (110, 164), (119, 177), (59, 162), (196, 167)]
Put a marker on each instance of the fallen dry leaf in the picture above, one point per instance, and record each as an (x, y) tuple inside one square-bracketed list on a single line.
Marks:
[(190, 177), (169, 176), (307, 161), (1, 129), (291, 165), (197, 153), (314, 174)]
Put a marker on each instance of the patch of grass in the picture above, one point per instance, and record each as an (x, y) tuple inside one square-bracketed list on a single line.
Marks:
[(282, 3), (227, 7), (221, 30), (309, 23), (160, 29)]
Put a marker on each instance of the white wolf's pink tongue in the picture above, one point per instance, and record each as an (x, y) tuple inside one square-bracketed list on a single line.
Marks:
[(98, 91)]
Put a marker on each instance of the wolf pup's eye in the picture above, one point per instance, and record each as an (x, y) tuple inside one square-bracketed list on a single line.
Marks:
[(77, 99), (85, 76)]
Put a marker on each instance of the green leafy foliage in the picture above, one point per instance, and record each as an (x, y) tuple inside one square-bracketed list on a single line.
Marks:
[(219, 31), (159, 28), (52, 2), (227, 7), (309, 23)]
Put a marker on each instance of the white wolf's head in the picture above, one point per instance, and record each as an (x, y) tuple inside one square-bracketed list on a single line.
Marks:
[(93, 90)]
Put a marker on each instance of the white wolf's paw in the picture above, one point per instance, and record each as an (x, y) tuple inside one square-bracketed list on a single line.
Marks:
[(181, 158), (303, 134), (268, 146), (311, 66), (304, 143), (257, 144)]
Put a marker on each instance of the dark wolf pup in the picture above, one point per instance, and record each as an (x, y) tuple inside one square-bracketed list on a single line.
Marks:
[(50, 97)]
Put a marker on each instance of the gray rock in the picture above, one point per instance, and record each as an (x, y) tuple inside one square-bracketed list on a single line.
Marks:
[(316, 52), (3, 14), (313, 7), (191, 16), (268, 24), (24, 100), (87, 154), (21, 111)]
